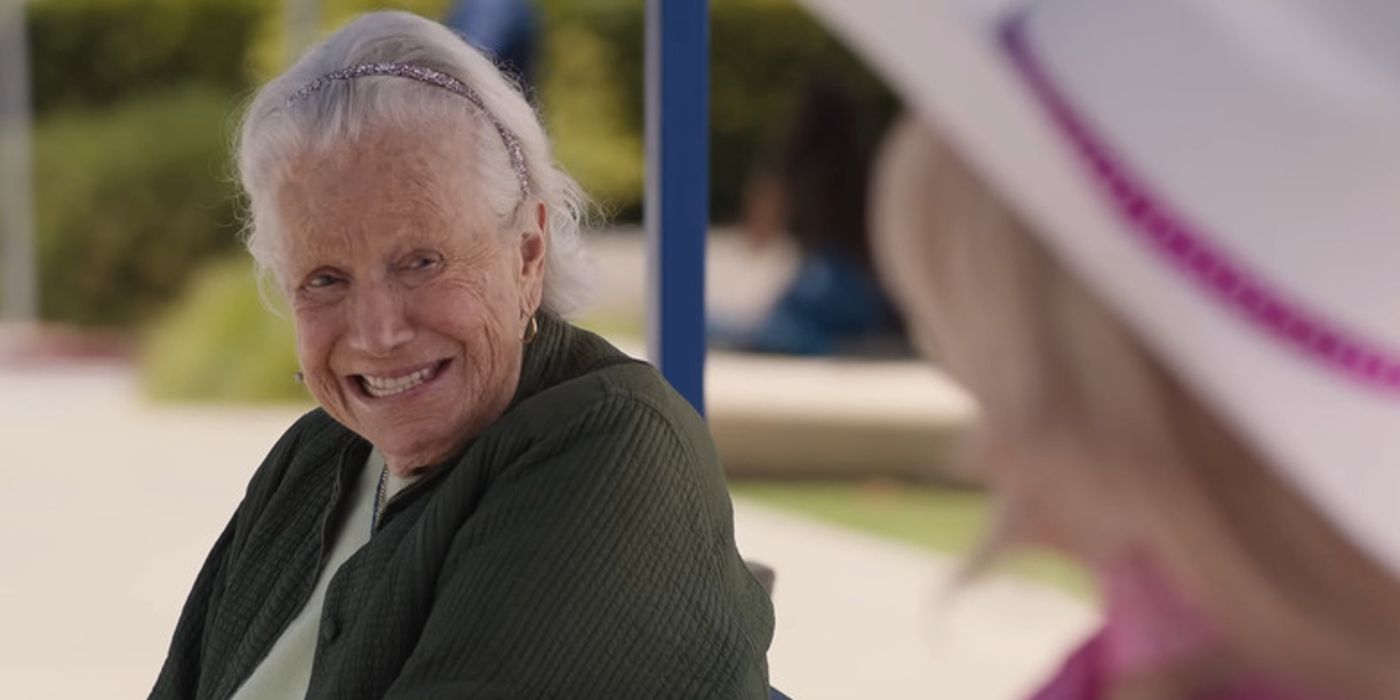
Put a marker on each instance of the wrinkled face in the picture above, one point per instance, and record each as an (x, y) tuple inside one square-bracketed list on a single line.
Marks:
[(408, 303)]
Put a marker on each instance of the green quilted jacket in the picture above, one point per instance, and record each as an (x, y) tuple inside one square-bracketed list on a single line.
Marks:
[(582, 547)]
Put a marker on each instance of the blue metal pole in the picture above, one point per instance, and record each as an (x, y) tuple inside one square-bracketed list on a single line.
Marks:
[(676, 209)]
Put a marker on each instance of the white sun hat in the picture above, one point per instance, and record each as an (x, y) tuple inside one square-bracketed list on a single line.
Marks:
[(1225, 174)]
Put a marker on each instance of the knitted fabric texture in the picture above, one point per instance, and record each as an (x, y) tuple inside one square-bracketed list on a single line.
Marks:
[(582, 547)]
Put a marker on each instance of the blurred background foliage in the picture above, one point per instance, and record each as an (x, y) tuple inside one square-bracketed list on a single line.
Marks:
[(128, 198), (96, 53), (220, 343), (136, 102)]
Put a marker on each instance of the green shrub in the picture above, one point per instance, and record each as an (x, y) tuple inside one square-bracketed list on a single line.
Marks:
[(221, 343), (129, 200), (92, 53)]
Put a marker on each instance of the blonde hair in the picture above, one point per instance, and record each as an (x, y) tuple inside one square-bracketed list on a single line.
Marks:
[(273, 133), (1093, 446)]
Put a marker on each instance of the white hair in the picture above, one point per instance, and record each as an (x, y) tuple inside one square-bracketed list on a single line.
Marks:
[(273, 133)]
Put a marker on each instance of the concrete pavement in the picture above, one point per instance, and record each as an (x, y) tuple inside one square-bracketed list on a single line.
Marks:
[(861, 617)]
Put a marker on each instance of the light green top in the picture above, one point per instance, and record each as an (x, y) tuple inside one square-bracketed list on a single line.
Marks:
[(286, 670)]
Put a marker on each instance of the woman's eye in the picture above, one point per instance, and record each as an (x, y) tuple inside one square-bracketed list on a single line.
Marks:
[(321, 281), (423, 261)]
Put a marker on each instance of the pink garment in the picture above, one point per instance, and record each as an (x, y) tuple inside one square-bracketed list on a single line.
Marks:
[(1147, 626)]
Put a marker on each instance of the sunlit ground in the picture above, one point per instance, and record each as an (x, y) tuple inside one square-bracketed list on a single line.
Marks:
[(938, 519)]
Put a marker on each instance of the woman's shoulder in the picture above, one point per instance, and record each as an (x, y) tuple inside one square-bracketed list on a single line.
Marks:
[(614, 413), (614, 396), (314, 433), (314, 439), (578, 370), (621, 434)]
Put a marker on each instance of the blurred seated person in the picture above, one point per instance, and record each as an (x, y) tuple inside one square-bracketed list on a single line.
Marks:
[(813, 190)]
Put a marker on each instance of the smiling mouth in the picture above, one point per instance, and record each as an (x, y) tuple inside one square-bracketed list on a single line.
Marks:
[(384, 387)]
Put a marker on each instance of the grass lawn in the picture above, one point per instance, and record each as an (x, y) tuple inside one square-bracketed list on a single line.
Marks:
[(939, 519)]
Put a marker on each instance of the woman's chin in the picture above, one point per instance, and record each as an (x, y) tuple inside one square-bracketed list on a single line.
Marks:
[(404, 456)]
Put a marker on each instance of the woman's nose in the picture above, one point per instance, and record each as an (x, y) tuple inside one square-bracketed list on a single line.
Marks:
[(379, 324)]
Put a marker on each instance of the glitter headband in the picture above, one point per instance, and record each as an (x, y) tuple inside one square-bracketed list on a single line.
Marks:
[(428, 76)]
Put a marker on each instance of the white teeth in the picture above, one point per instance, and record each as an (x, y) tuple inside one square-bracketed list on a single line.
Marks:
[(380, 387)]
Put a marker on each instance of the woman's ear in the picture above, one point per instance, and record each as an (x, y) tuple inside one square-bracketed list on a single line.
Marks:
[(533, 246)]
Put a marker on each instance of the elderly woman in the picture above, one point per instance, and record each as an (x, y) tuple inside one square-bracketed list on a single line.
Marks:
[(1157, 242), (489, 502)]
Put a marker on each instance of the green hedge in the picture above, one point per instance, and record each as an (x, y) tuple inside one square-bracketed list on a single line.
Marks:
[(221, 343), (129, 200), (92, 53)]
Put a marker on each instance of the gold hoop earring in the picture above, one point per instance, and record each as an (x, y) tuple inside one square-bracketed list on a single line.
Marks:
[(531, 330)]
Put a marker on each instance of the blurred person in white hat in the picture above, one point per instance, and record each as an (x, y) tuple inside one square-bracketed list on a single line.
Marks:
[(1156, 241)]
